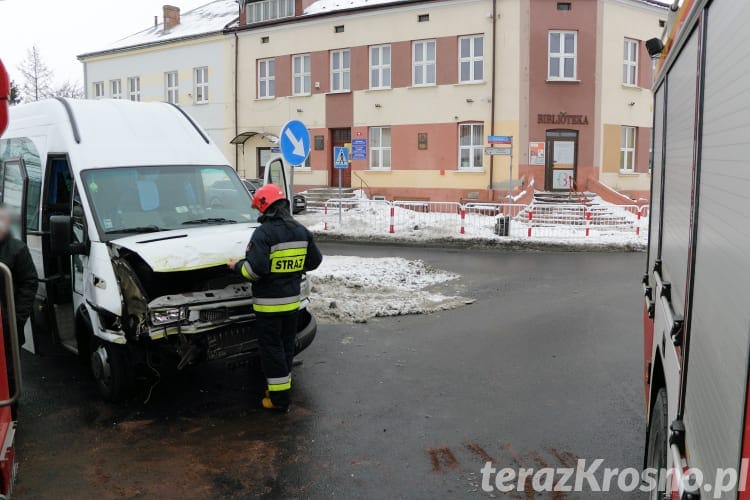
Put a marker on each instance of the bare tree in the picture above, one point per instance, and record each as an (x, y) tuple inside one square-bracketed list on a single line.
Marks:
[(15, 94), (37, 77), (69, 89)]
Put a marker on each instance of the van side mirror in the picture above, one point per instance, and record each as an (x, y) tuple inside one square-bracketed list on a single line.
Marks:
[(60, 230)]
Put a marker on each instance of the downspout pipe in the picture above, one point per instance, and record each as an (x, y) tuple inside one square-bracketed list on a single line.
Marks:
[(492, 95), (236, 100)]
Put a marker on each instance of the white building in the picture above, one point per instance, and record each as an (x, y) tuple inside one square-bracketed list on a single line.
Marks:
[(186, 60)]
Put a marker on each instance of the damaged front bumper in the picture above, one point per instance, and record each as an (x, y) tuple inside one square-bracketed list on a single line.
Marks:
[(217, 323)]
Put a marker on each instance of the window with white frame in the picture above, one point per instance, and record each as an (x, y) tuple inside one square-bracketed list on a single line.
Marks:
[(380, 148), (627, 149), (201, 85), (115, 89), (380, 67), (471, 59), (171, 91), (423, 53), (340, 68), (630, 62), (134, 88), (98, 90), (266, 78), (265, 10), (563, 48), (301, 74), (470, 145)]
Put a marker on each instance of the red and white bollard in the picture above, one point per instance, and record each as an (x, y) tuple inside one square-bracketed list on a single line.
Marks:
[(393, 216), (531, 216), (638, 224), (325, 217), (588, 222), (463, 219)]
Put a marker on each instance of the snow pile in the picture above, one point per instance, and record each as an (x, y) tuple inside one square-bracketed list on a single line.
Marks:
[(355, 289)]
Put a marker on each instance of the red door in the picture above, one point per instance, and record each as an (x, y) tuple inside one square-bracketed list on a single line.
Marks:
[(340, 137)]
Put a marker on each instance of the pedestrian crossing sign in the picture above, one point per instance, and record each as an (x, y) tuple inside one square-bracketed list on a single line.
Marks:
[(340, 157)]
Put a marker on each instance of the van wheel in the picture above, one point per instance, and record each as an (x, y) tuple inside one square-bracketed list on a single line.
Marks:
[(656, 457), (112, 370)]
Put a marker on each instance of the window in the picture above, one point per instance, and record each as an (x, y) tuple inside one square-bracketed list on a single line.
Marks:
[(201, 85), (340, 67), (562, 55), (301, 74), (471, 59), (115, 89), (423, 58), (170, 87), (338, 29), (380, 67), (266, 78), (423, 18), (563, 5), (470, 145), (134, 88), (380, 148), (627, 149), (266, 10), (98, 90), (630, 62)]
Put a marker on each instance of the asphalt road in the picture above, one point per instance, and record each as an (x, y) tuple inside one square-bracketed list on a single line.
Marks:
[(544, 368)]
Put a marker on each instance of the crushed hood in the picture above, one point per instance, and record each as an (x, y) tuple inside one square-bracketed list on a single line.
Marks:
[(193, 248)]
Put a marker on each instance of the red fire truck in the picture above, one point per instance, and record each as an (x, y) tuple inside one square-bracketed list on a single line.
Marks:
[(697, 309), (7, 424)]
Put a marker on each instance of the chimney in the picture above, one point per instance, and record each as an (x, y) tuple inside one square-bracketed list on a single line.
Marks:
[(171, 17)]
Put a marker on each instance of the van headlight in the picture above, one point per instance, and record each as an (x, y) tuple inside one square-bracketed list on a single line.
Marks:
[(166, 316)]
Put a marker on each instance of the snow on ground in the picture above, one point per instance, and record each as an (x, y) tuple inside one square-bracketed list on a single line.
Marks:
[(355, 289), (367, 219)]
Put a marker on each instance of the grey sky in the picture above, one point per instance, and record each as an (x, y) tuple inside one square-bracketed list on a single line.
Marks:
[(64, 29)]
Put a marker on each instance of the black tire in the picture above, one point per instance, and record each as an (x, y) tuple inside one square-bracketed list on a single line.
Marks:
[(112, 369), (658, 435)]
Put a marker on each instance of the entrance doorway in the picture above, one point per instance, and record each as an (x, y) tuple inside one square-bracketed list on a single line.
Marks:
[(340, 137), (561, 168)]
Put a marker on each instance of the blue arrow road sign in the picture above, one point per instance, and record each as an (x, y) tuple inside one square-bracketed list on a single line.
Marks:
[(294, 142), (340, 157)]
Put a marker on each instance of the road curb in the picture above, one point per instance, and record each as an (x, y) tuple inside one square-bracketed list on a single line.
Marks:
[(510, 246)]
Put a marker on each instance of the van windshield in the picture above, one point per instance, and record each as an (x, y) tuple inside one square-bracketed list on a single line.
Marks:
[(127, 200)]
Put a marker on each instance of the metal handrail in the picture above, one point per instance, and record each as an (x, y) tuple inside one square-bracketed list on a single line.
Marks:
[(363, 182), (15, 353)]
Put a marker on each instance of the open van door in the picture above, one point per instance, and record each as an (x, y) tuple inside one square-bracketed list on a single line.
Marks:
[(276, 174), (13, 184)]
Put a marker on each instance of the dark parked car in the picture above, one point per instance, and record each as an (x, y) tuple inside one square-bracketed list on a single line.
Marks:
[(300, 203)]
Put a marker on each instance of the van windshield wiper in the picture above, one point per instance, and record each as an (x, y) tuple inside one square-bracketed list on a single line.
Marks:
[(210, 220), (135, 230)]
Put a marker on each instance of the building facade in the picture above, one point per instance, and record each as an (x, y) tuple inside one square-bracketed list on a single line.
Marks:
[(185, 60), (414, 87)]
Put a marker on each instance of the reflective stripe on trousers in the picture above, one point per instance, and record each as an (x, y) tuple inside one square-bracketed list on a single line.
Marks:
[(277, 384), (276, 305)]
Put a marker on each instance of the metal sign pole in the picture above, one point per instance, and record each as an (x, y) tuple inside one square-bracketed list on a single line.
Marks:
[(291, 189), (339, 197), (510, 176)]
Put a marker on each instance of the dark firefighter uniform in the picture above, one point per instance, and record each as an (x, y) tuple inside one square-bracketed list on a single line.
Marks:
[(280, 250)]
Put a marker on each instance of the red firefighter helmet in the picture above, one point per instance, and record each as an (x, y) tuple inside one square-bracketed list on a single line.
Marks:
[(266, 196)]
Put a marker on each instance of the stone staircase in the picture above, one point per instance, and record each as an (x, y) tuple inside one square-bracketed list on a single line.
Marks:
[(559, 208), (317, 197)]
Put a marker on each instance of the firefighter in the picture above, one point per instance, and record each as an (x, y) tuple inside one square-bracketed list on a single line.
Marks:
[(280, 250)]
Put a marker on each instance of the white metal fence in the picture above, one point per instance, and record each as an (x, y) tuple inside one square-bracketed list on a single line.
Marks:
[(446, 219)]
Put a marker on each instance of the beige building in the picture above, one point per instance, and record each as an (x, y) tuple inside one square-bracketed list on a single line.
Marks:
[(414, 88)]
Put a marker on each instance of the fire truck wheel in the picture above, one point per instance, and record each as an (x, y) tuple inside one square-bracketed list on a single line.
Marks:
[(657, 441), (112, 370)]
